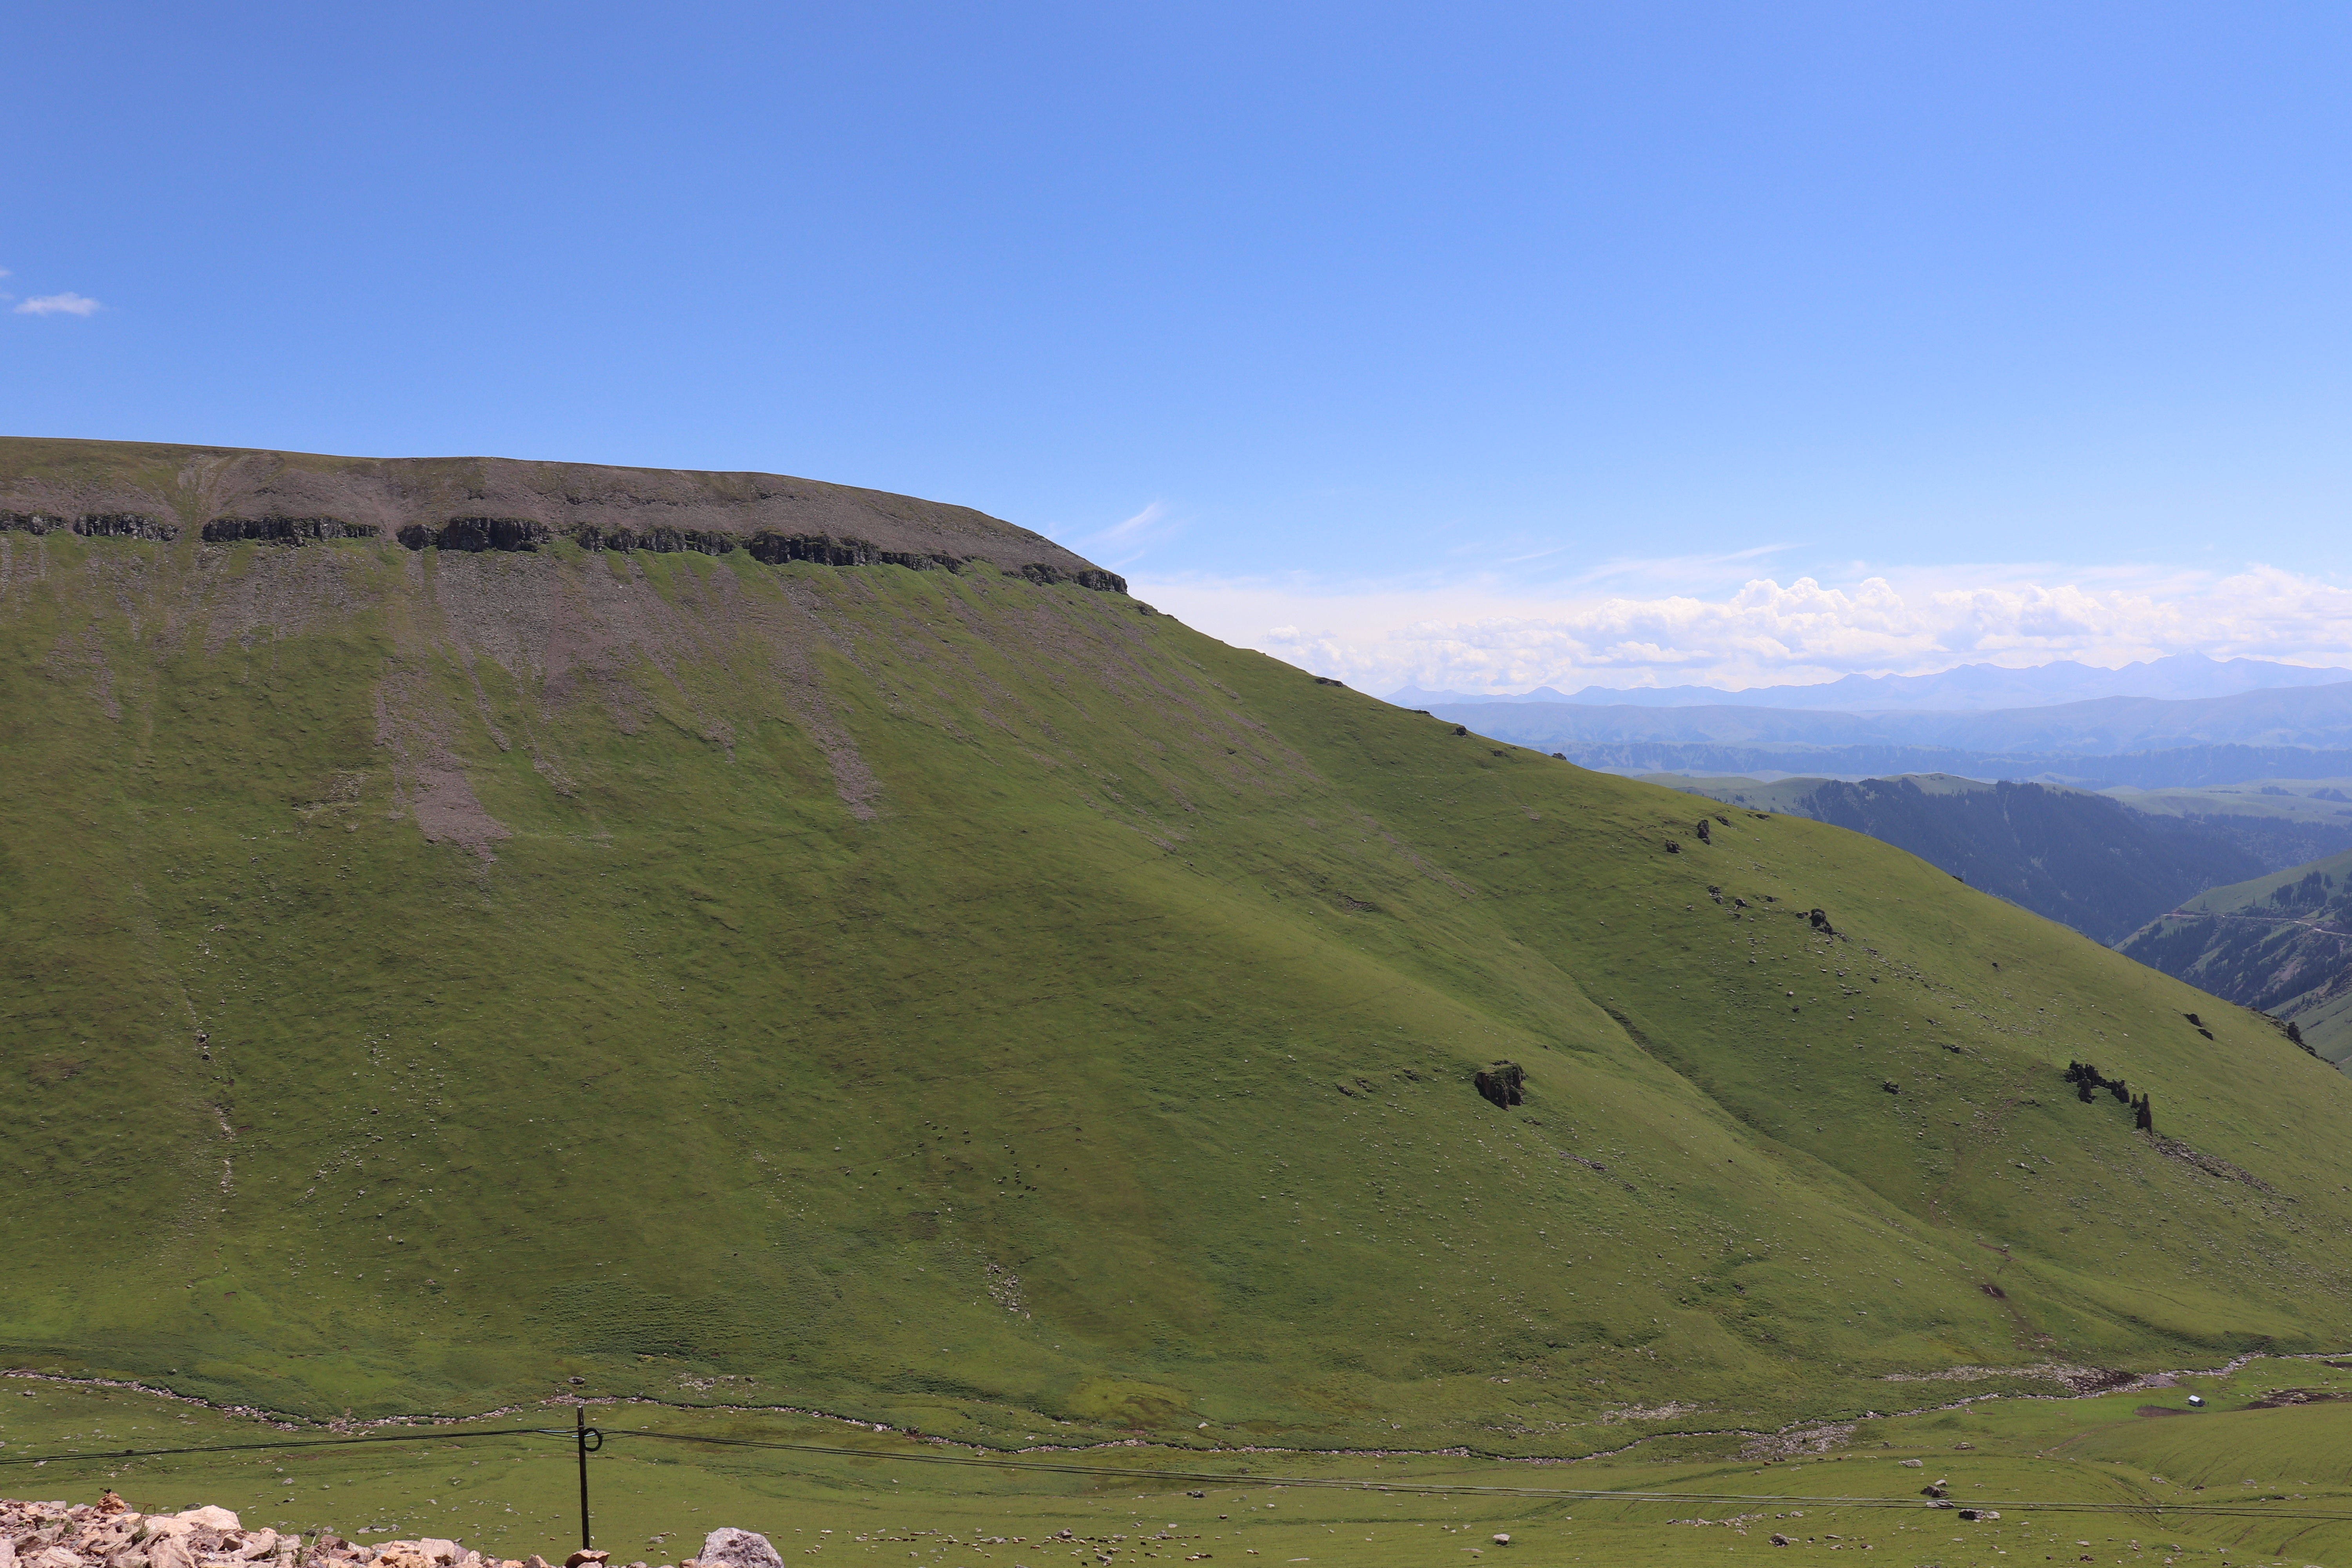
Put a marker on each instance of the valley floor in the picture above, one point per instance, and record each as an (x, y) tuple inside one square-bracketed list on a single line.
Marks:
[(2259, 1475)]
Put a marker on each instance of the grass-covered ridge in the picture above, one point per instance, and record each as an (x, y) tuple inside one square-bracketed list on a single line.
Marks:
[(970, 1004), (154, 490), (2086, 860), (2281, 942)]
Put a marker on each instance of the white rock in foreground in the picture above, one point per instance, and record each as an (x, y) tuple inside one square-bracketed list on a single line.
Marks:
[(728, 1547)]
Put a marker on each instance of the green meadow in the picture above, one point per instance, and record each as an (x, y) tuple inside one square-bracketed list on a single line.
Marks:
[(437, 981), (2068, 1478)]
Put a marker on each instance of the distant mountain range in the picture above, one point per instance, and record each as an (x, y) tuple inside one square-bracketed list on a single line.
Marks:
[(2291, 733), (2183, 767), (1973, 688)]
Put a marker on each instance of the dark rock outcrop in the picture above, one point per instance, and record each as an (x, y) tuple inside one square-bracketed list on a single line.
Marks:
[(476, 533), (659, 540), (1095, 577), (1502, 1083), (285, 530), (822, 549), (124, 525), (92, 524), (768, 547)]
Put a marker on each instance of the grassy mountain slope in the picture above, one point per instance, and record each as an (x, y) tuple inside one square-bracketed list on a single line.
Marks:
[(967, 1003), (2281, 942), (2081, 860)]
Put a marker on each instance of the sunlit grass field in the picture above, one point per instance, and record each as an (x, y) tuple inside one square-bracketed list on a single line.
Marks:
[(2037, 1462)]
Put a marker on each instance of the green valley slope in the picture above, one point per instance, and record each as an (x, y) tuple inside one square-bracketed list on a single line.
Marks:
[(2281, 942), (968, 1001), (2086, 860)]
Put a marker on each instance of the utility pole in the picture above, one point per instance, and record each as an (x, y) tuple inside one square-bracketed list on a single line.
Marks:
[(585, 1432)]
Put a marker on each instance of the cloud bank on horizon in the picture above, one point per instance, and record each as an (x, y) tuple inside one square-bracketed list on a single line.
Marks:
[(1488, 636)]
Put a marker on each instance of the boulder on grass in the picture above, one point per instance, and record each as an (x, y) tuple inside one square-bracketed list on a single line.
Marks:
[(730, 1548)]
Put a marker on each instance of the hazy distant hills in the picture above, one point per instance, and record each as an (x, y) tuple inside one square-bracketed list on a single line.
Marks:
[(2314, 716), (1969, 689), (2148, 742)]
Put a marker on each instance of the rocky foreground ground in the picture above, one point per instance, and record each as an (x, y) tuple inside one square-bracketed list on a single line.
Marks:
[(111, 1534)]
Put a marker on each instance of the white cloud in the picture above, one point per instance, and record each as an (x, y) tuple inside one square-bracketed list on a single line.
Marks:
[(68, 304), (1126, 540), (1493, 637)]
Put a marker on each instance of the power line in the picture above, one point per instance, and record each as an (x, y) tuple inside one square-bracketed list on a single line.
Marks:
[(1228, 1479), (301, 1443)]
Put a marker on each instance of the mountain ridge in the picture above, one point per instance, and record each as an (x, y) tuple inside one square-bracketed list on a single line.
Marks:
[(192, 485), (958, 999)]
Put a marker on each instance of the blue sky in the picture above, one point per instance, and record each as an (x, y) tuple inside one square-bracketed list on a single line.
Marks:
[(1470, 344)]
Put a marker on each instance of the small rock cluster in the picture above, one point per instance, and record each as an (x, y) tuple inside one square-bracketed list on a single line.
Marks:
[(111, 1534)]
